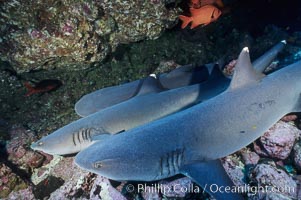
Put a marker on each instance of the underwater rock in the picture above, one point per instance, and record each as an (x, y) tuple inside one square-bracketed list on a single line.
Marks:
[(47, 186), (271, 180), (177, 188), (3, 129), (64, 169), (234, 168), (278, 141), (75, 34), (166, 66), (102, 189), (297, 154), (9, 181), (151, 193), (75, 184), (289, 118), (19, 152), (25, 194), (249, 157)]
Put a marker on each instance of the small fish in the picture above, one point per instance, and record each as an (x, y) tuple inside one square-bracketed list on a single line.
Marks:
[(195, 4), (42, 86), (200, 3), (202, 16)]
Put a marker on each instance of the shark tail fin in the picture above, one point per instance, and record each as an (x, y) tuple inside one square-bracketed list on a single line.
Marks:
[(261, 63), (211, 176)]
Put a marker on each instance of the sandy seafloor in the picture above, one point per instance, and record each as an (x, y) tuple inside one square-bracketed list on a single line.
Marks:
[(41, 114)]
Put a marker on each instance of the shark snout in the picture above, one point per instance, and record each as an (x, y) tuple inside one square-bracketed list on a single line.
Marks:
[(36, 145), (83, 160)]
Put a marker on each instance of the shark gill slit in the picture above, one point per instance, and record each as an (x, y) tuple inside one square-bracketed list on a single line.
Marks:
[(77, 133), (89, 135), (170, 163), (73, 139), (83, 134), (86, 134)]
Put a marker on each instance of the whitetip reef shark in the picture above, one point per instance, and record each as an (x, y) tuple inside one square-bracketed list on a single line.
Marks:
[(109, 96), (179, 77), (192, 141), (82, 133)]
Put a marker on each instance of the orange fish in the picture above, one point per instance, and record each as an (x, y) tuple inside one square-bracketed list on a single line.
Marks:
[(195, 4), (200, 3), (202, 16), (42, 86)]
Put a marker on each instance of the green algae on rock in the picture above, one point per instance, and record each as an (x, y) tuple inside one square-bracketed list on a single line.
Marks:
[(75, 34), (9, 181)]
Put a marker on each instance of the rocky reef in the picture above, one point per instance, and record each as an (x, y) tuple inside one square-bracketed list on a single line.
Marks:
[(75, 34)]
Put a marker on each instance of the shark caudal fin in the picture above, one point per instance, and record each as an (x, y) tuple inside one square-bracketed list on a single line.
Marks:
[(261, 63), (212, 177), (185, 20), (244, 73)]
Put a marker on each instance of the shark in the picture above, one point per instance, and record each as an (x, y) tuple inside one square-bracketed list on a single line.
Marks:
[(115, 119), (182, 76), (192, 141), (126, 115), (109, 96)]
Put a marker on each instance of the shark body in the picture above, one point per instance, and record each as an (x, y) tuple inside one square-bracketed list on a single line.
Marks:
[(182, 76), (109, 96), (192, 141), (80, 134), (134, 112)]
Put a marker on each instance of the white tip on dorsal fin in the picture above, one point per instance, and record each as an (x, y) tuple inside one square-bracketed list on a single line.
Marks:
[(244, 73)]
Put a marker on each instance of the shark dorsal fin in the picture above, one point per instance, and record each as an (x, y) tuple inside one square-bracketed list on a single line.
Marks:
[(148, 85), (244, 73)]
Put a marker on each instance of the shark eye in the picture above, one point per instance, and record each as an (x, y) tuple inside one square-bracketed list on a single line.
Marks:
[(98, 165), (40, 143)]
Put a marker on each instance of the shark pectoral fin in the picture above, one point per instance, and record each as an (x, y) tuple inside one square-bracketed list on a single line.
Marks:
[(212, 177), (297, 107), (104, 136), (244, 73), (101, 136)]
